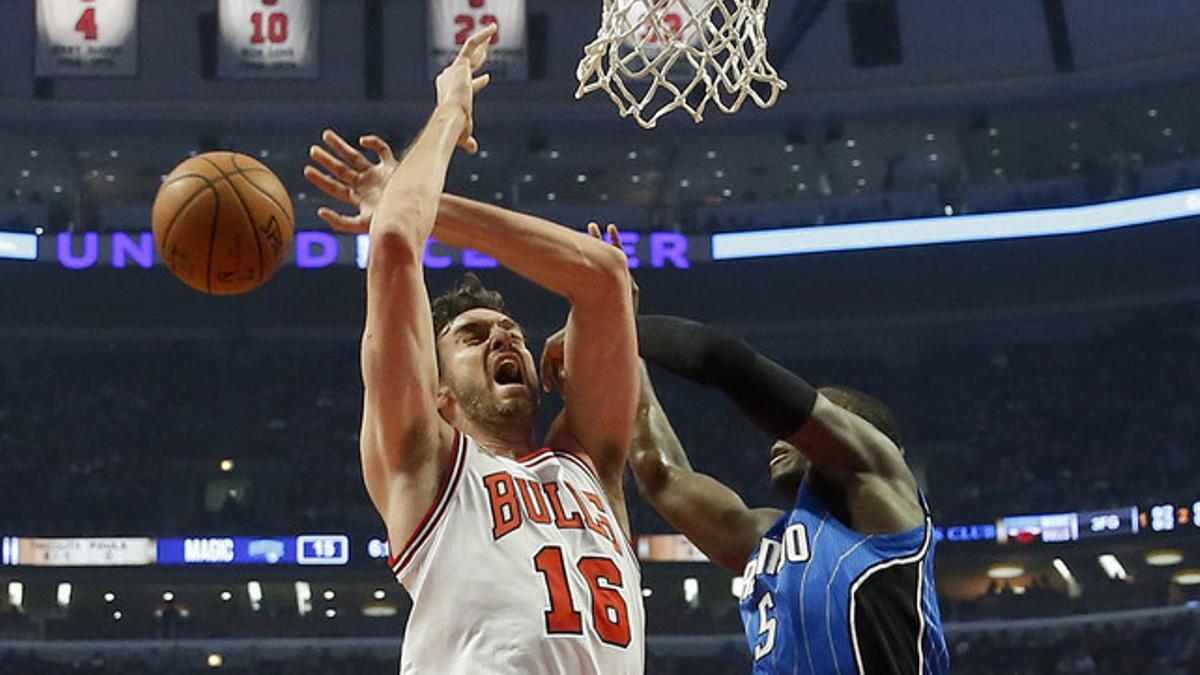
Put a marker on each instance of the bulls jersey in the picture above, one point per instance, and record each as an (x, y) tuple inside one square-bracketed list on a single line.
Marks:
[(818, 598), (520, 566)]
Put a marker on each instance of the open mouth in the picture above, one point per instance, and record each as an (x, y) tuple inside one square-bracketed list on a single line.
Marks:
[(507, 370), (778, 454)]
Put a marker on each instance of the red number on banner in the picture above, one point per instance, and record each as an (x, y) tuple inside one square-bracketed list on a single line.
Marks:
[(610, 612), (562, 616), (87, 24), (466, 24), (673, 21), (277, 27)]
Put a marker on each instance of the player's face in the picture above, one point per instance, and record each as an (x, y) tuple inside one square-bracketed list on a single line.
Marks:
[(787, 467), (487, 367)]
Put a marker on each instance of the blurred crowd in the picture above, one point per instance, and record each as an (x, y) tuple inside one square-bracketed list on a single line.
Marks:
[(1156, 645), (1151, 647), (307, 662), (91, 433)]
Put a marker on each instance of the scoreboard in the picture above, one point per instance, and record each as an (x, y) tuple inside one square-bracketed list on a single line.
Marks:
[(1123, 521), (305, 549)]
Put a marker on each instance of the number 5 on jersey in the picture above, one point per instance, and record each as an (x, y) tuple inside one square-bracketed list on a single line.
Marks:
[(766, 627), (610, 613)]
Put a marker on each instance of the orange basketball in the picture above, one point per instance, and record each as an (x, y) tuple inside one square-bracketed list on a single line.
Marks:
[(223, 223)]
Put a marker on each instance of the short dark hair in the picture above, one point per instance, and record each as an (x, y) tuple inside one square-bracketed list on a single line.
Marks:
[(867, 407), (470, 294)]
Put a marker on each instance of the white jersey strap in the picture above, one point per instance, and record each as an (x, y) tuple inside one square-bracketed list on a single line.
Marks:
[(445, 493)]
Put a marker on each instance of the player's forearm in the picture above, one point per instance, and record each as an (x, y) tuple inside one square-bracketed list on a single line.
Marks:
[(655, 453), (778, 400), (409, 202), (555, 257), (655, 445)]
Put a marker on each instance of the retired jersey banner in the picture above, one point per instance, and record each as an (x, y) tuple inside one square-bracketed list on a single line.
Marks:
[(451, 22), (268, 38), (86, 37)]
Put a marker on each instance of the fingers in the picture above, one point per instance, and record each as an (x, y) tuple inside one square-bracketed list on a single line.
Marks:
[(378, 146), (341, 223), (593, 229), (358, 224), (348, 152), (474, 50), (614, 236), (329, 186), (478, 84), (332, 164)]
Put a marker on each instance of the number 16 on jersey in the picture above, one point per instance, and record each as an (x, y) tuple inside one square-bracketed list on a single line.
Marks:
[(451, 22)]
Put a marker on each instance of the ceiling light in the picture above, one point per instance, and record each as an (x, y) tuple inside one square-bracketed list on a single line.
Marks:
[(1164, 557), (1005, 571), (1060, 566), (1187, 577), (1112, 567)]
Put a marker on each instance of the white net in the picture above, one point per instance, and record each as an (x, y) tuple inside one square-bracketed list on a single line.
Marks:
[(656, 56)]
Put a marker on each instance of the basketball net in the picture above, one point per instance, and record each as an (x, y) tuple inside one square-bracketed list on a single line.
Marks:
[(656, 56)]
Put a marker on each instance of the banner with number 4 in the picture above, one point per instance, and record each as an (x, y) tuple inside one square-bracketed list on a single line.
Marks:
[(268, 38), (86, 37), (451, 22)]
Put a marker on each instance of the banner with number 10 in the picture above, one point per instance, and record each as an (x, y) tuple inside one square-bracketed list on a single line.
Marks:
[(451, 22), (268, 38)]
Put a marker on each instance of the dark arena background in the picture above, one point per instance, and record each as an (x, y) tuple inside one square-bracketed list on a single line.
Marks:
[(984, 213)]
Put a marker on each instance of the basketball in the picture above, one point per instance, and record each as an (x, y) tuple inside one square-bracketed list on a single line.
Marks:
[(223, 223)]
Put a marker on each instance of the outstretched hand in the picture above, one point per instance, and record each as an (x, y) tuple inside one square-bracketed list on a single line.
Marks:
[(351, 178)]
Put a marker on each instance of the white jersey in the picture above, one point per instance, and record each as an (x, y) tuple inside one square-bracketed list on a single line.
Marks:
[(520, 566)]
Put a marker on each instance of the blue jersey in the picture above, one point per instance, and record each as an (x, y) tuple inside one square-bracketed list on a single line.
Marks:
[(818, 598)]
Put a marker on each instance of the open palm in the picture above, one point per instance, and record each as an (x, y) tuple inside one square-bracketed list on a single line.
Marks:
[(351, 178)]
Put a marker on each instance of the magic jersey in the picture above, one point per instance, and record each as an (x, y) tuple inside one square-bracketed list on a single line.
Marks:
[(819, 598), (520, 566)]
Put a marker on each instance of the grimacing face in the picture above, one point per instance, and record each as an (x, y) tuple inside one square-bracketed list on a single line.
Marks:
[(488, 368)]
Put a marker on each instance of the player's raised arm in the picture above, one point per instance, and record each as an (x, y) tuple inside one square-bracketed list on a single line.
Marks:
[(600, 345), (837, 442), (405, 444), (702, 508)]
